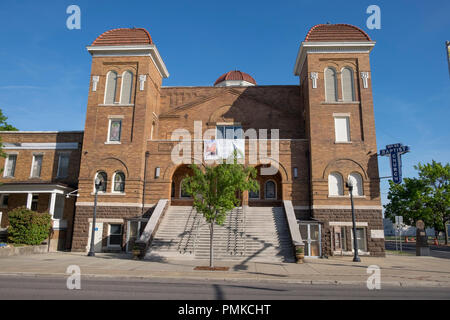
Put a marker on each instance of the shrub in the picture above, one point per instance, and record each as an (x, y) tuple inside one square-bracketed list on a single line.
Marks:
[(28, 227)]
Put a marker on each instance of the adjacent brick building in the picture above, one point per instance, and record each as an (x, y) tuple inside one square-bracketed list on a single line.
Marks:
[(326, 136)]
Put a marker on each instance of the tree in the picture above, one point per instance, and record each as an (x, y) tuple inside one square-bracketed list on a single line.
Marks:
[(4, 126), (214, 190), (424, 198)]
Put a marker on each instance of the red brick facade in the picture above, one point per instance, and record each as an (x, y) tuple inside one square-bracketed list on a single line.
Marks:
[(306, 139)]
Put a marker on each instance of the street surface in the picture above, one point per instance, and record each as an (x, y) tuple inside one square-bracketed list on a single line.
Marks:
[(43, 288)]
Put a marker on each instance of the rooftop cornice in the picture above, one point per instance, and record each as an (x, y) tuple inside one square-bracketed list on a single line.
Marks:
[(148, 50), (329, 47)]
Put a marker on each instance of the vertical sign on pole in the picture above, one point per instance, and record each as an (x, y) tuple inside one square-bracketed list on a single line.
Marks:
[(394, 151)]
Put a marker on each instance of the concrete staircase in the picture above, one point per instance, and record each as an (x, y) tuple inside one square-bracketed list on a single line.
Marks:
[(250, 233)]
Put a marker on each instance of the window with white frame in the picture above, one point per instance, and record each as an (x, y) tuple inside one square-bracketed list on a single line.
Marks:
[(360, 239), (348, 91), (335, 184), (63, 165), (342, 128), (10, 165), (104, 180), (115, 235), (119, 182), (110, 89), (356, 180), (115, 130), (127, 88), (36, 166), (330, 85)]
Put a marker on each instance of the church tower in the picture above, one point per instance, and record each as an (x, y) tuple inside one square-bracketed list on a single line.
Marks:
[(122, 114), (335, 83)]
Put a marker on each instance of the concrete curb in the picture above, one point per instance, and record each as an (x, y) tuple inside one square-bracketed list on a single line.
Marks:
[(421, 284)]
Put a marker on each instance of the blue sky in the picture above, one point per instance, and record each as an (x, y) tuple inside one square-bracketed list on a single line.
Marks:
[(46, 67)]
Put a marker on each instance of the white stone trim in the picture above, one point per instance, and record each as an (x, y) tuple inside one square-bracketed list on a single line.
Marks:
[(148, 50), (142, 79), (41, 146), (329, 47), (103, 220), (343, 114), (95, 80), (113, 204), (347, 224), (314, 76), (347, 207), (377, 234), (365, 78), (37, 188)]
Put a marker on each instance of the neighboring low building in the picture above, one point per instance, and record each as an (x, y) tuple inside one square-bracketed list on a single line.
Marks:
[(40, 169)]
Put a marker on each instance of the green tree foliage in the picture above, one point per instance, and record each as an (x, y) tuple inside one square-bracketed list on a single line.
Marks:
[(28, 227), (4, 126), (424, 198), (215, 189)]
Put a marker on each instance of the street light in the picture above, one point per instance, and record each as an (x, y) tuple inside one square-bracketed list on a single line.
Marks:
[(355, 242), (98, 183)]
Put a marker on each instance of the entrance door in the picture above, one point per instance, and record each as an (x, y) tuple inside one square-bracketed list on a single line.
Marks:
[(98, 237), (311, 235)]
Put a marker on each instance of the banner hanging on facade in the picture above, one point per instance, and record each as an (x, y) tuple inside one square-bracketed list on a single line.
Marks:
[(224, 149)]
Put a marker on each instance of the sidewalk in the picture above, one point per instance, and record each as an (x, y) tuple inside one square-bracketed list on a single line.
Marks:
[(395, 270)]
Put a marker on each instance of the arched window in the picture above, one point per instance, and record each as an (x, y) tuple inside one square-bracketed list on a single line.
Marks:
[(127, 88), (330, 85), (110, 90), (270, 191), (348, 92), (335, 184), (172, 190), (103, 178), (253, 194), (119, 182), (357, 182)]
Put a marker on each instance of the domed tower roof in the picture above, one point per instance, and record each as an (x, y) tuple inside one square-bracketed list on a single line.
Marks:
[(128, 42), (336, 32), (235, 78), (124, 37)]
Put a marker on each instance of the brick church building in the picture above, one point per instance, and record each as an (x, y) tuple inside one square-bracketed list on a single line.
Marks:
[(326, 137)]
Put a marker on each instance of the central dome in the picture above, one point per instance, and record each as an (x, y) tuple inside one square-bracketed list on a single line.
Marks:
[(235, 78)]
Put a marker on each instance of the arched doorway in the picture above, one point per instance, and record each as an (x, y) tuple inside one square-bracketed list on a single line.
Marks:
[(270, 190), (179, 197)]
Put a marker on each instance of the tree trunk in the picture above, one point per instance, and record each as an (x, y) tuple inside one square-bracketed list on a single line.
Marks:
[(211, 250), (446, 233)]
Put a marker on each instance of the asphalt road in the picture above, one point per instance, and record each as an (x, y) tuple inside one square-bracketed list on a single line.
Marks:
[(435, 251), (44, 288)]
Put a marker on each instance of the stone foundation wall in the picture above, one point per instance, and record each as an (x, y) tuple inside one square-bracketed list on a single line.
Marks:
[(373, 218), (105, 214)]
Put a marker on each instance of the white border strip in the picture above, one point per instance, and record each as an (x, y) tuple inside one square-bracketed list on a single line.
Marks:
[(113, 204), (338, 207)]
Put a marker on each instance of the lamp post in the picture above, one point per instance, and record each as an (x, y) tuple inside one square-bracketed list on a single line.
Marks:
[(97, 183), (355, 242)]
